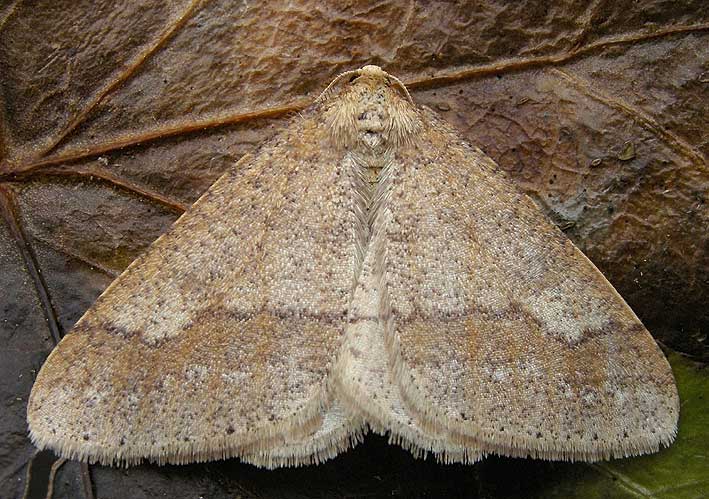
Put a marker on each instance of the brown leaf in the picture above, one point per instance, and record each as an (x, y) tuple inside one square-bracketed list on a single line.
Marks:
[(115, 116)]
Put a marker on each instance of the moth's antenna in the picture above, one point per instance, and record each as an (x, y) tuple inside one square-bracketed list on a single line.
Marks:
[(402, 87), (373, 70), (334, 82)]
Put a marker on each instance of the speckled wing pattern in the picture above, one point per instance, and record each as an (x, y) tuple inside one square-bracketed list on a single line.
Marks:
[(335, 431), (502, 330), (366, 383), (217, 340), (298, 304)]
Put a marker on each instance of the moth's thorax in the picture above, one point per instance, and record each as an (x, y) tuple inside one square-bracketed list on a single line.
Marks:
[(370, 117)]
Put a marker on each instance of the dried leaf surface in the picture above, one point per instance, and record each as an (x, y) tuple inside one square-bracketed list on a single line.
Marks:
[(115, 116)]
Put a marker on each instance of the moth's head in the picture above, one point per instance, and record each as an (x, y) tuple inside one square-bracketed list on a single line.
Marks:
[(370, 109)]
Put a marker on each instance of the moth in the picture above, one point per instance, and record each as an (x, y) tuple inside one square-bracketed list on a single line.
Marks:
[(366, 269)]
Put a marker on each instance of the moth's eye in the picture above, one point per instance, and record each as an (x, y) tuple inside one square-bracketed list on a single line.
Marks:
[(353, 78)]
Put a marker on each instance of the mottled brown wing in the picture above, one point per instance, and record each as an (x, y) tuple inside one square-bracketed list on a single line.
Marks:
[(221, 335), (503, 331)]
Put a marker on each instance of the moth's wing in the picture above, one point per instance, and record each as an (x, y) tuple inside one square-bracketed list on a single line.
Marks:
[(502, 330), (223, 332), (336, 430), (364, 376)]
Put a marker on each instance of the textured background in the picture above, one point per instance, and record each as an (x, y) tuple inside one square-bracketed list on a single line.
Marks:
[(113, 119)]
